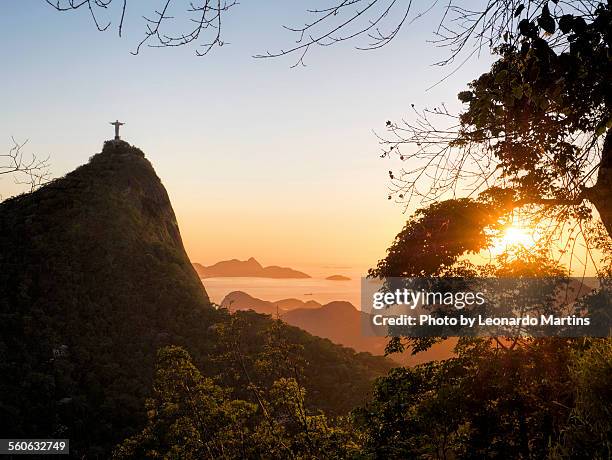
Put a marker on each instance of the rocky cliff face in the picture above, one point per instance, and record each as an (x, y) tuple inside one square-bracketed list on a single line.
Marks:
[(93, 277)]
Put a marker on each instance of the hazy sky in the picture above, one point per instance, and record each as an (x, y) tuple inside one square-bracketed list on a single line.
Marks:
[(259, 159)]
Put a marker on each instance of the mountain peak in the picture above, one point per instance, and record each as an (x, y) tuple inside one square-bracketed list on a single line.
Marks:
[(252, 261), (97, 258), (120, 147), (113, 209)]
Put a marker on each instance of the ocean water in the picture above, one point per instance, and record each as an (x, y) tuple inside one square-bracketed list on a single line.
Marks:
[(317, 289)]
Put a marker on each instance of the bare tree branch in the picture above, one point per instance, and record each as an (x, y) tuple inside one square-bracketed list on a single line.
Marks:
[(162, 28), (464, 27), (30, 170), (346, 20)]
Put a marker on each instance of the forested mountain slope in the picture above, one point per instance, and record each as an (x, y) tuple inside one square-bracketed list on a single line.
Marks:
[(94, 278)]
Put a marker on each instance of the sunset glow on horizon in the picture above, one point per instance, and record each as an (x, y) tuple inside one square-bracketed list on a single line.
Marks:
[(282, 166)]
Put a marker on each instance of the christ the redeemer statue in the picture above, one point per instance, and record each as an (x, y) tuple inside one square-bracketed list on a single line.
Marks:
[(117, 123)]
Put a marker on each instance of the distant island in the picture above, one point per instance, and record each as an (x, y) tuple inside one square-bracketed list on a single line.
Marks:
[(246, 268), (338, 278)]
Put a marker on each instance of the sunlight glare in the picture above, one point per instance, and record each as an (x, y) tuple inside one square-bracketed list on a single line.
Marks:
[(514, 237)]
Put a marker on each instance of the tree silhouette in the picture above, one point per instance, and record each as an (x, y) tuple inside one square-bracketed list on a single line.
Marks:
[(538, 124), (536, 134), (534, 397)]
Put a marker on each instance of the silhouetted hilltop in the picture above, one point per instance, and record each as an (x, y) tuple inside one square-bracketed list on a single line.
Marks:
[(93, 277), (93, 280), (239, 300), (246, 268)]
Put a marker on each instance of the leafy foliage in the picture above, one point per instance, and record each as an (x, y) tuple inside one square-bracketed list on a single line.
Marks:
[(538, 123), (190, 416), (536, 101), (493, 402), (499, 397), (589, 428), (436, 236)]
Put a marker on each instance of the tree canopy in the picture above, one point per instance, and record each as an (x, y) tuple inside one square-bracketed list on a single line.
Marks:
[(535, 134), (537, 125)]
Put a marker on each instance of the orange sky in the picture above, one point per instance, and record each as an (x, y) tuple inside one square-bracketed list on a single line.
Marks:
[(259, 159)]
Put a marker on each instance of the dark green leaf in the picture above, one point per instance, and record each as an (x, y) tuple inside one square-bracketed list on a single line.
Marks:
[(501, 76), (517, 91)]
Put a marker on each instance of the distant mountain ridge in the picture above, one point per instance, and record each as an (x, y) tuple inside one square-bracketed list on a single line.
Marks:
[(239, 300), (338, 321), (246, 268)]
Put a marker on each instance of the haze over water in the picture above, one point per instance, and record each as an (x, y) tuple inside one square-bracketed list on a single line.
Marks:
[(305, 289)]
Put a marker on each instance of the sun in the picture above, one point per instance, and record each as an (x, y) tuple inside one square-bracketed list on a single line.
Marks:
[(513, 237), (517, 236)]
